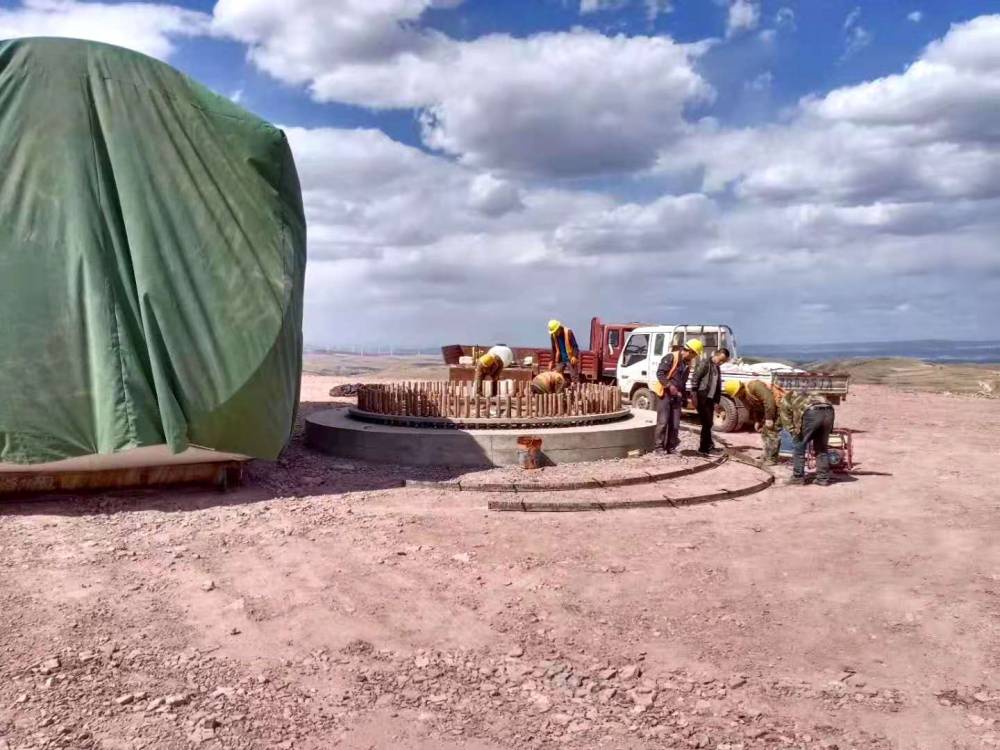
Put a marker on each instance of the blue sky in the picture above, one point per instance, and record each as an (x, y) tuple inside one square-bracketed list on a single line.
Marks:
[(806, 171)]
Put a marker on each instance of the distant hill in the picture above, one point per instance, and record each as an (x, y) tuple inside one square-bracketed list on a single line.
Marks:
[(915, 374), (944, 352), (375, 367)]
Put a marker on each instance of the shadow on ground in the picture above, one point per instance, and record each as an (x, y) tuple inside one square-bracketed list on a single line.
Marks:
[(299, 472)]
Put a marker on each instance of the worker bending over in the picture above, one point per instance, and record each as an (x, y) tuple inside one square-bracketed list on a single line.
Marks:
[(809, 419), (491, 365), (671, 390), (565, 351), (763, 405), (549, 381)]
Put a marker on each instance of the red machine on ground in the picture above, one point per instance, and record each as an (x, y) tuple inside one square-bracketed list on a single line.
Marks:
[(598, 363)]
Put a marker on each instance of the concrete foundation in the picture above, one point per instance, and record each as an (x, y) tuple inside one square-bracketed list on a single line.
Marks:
[(334, 432)]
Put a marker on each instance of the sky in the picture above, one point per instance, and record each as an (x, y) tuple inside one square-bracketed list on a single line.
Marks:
[(806, 172)]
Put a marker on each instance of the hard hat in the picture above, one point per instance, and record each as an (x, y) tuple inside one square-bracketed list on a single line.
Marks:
[(554, 325), (731, 388), (696, 346), (503, 353)]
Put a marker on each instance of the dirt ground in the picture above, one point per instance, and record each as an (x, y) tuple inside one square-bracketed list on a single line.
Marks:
[(323, 606)]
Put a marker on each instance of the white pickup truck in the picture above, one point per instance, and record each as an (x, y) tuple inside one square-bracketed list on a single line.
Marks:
[(647, 345)]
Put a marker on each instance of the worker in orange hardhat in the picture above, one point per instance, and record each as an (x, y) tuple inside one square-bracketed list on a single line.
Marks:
[(762, 402), (549, 381), (565, 351), (671, 388), (491, 365)]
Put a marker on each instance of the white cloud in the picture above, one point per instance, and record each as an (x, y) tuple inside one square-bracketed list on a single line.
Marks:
[(915, 16), (947, 93), (594, 6), (366, 193), (857, 39), (666, 226), (852, 18), (298, 39), (785, 19), (722, 255), (145, 27), (494, 197), (856, 36), (761, 82), (562, 104), (654, 8), (744, 15), (565, 103)]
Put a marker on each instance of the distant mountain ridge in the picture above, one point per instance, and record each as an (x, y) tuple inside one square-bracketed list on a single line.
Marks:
[(928, 350)]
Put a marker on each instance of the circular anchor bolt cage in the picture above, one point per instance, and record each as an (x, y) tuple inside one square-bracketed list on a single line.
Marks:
[(454, 405)]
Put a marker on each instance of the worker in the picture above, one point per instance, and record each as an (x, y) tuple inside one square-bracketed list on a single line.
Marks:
[(761, 400), (707, 387), (565, 351), (491, 365), (549, 381), (809, 420), (671, 390)]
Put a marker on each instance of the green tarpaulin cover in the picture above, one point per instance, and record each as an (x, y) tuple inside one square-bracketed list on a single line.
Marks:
[(152, 254)]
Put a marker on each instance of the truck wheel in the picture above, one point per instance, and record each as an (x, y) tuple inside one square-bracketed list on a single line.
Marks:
[(730, 416), (643, 399)]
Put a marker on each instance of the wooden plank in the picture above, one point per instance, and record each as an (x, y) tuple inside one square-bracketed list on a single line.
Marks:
[(220, 473)]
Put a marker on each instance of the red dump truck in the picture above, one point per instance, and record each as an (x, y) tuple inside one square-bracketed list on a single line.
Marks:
[(598, 363)]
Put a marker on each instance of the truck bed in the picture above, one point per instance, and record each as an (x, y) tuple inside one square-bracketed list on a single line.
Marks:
[(833, 386)]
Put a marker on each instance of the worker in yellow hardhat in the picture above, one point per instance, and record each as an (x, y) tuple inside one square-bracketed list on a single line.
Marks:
[(762, 402), (491, 365), (549, 381), (565, 351), (671, 389)]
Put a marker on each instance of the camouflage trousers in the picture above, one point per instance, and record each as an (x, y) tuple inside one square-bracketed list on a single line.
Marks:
[(770, 437)]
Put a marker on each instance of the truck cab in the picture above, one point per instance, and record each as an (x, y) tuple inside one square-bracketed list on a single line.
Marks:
[(607, 341), (647, 345)]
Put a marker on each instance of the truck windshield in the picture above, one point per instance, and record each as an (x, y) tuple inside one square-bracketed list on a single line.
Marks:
[(635, 350)]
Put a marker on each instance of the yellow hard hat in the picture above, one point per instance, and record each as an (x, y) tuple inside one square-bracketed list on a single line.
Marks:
[(696, 346), (731, 388), (554, 325)]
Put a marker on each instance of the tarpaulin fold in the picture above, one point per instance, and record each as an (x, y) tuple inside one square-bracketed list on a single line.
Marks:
[(152, 255)]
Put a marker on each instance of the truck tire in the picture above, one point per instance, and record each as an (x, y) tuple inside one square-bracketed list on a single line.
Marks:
[(730, 415), (643, 398)]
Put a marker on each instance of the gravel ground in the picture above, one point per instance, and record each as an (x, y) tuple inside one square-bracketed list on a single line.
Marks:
[(322, 606)]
